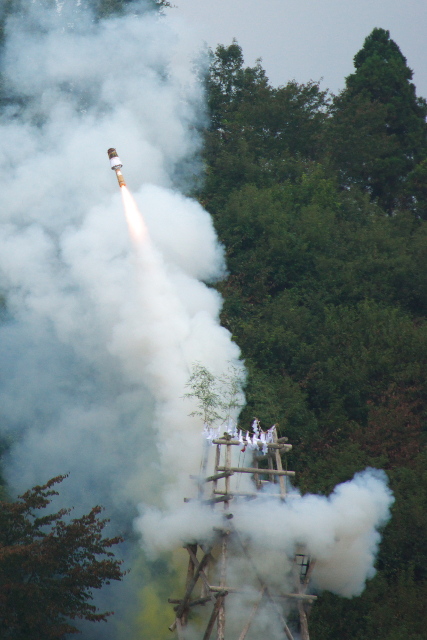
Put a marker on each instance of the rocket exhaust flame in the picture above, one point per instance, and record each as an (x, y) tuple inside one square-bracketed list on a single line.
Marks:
[(137, 229)]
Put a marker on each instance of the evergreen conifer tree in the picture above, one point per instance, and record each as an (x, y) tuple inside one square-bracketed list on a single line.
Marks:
[(378, 130)]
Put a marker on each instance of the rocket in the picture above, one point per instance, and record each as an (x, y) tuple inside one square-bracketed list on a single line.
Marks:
[(116, 165)]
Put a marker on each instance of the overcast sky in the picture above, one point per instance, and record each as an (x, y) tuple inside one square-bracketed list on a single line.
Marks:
[(310, 39)]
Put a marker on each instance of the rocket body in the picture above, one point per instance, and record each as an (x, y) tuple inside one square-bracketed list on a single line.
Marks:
[(116, 165), (120, 178)]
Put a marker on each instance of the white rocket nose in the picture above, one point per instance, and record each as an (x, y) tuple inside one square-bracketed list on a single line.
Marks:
[(115, 163)]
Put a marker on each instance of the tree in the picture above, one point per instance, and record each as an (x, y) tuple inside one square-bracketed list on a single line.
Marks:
[(258, 134), (378, 132), (49, 566), (107, 7), (219, 398)]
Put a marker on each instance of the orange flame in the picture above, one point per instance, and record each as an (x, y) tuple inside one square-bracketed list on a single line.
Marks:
[(137, 229)]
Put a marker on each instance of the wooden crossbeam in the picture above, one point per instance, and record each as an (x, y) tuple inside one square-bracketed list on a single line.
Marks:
[(271, 445), (203, 562), (294, 596), (248, 494), (191, 603), (254, 470), (219, 476), (241, 494), (223, 497)]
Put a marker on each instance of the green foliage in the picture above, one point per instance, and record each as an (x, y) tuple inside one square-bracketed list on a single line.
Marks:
[(5, 443), (6, 9), (218, 398), (257, 132), (279, 400), (315, 296), (414, 194), (327, 293), (231, 383), (49, 566), (203, 387), (104, 8), (378, 132), (392, 606)]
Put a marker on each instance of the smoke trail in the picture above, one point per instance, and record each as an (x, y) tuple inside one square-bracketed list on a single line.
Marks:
[(100, 335)]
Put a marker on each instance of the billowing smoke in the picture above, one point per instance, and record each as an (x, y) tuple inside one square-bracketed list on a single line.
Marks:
[(340, 531), (99, 335)]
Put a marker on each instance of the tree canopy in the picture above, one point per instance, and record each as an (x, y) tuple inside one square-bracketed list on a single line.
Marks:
[(50, 565), (378, 129), (321, 203)]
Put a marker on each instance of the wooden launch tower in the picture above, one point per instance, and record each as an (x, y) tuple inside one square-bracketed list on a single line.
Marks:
[(208, 564)]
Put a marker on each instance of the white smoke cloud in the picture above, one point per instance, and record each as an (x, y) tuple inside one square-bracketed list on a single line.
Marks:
[(167, 530), (341, 532), (101, 338)]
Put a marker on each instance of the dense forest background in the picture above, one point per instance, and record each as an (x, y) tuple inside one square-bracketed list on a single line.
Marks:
[(321, 204)]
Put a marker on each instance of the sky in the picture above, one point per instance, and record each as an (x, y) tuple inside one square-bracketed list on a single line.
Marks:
[(310, 39)]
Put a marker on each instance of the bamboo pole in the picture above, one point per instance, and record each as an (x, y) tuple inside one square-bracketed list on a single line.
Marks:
[(248, 494), (303, 621), (224, 547), (221, 609), (202, 573), (303, 613), (270, 458), (252, 615), (271, 445), (192, 584), (254, 470), (179, 629), (279, 468), (256, 475), (219, 476), (190, 576), (214, 615), (223, 497), (292, 596), (192, 603)]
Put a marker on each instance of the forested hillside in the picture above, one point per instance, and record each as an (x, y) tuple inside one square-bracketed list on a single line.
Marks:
[(321, 203)]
